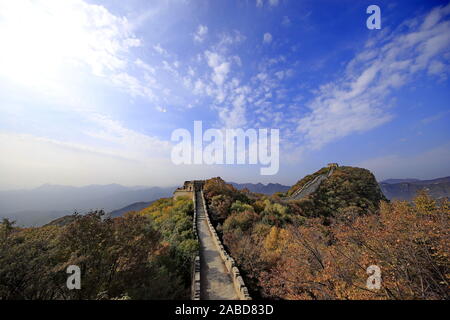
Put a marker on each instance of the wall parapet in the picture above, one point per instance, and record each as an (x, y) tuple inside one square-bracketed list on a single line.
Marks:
[(230, 264), (317, 181), (195, 277)]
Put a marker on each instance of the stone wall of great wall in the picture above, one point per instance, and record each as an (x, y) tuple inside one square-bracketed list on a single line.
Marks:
[(313, 185), (187, 190), (190, 188), (229, 262), (195, 279)]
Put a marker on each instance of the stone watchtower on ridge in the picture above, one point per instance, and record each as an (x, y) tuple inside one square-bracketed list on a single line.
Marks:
[(188, 189), (332, 165)]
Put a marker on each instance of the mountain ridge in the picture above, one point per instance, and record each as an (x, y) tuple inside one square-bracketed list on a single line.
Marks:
[(37, 206), (47, 202), (407, 190), (259, 187)]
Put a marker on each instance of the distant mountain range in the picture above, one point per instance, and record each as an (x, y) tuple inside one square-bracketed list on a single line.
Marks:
[(400, 189), (48, 202), (132, 207), (40, 205), (270, 188), (393, 181), (406, 189), (66, 219)]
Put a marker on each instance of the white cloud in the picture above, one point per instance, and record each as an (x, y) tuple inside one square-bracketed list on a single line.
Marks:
[(191, 71), (220, 73), (201, 33), (234, 117), (157, 47), (132, 85), (54, 34), (359, 101), (199, 87), (273, 3), (230, 38), (64, 41), (220, 67), (108, 138), (267, 38), (145, 66), (161, 109), (437, 68), (221, 83), (280, 74), (171, 67), (286, 21), (33, 161), (435, 117), (127, 142)]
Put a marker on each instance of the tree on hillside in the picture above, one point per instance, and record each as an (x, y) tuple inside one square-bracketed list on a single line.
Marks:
[(330, 262), (137, 256)]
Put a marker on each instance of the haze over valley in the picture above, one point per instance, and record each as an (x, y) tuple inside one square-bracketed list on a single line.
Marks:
[(41, 205)]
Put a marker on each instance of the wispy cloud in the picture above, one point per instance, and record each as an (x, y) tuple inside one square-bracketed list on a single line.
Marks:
[(267, 38), (33, 161), (132, 85), (128, 142), (286, 21), (201, 33), (161, 109), (220, 67), (273, 3), (157, 47), (227, 76), (435, 117), (359, 101), (73, 32)]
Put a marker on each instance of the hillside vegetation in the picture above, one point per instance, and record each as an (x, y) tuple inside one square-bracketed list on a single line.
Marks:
[(320, 247), (348, 188), (144, 255), (317, 247)]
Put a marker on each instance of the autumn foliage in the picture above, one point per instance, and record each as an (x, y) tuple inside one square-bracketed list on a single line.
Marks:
[(143, 255), (410, 246), (318, 247), (284, 252)]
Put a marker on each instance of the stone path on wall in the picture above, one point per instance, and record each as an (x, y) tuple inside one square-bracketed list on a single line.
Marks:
[(310, 187), (215, 281)]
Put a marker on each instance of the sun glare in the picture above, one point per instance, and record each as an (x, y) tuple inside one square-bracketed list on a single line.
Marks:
[(43, 41)]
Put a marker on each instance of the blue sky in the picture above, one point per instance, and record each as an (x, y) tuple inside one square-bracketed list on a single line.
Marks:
[(90, 91)]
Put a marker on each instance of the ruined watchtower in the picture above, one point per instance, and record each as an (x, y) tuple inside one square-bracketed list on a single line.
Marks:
[(188, 188), (332, 165)]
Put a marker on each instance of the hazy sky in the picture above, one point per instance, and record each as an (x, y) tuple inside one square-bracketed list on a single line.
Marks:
[(90, 91)]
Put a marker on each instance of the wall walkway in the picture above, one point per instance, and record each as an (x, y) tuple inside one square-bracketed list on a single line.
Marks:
[(218, 277)]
